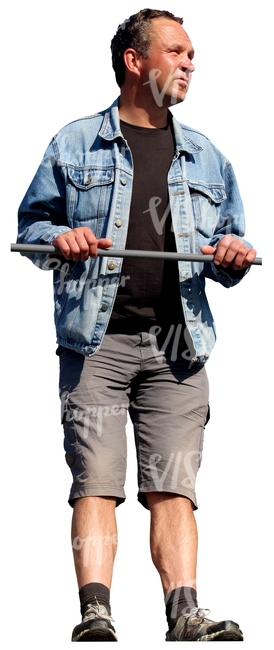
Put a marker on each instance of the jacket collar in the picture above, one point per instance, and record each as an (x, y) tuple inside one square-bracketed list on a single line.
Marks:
[(110, 130)]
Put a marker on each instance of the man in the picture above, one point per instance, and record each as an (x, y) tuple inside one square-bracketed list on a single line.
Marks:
[(134, 336)]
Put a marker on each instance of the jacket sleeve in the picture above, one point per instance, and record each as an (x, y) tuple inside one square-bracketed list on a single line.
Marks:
[(230, 222), (42, 213)]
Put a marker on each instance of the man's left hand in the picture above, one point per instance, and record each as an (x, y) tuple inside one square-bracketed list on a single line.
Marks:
[(231, 251)]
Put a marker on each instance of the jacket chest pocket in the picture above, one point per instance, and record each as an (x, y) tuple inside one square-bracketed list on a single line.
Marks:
[(89, 195), (206, 206)]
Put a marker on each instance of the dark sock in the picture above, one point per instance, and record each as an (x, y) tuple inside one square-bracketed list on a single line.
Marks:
[(179, 602), (94, 593)]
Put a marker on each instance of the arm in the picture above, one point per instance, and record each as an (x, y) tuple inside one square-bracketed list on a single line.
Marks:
[(42, 213), (42, 216), (233, 255)]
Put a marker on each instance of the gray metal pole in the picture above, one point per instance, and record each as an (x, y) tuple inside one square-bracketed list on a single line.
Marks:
[(112, 252)]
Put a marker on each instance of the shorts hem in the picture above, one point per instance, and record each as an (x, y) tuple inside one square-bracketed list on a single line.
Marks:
[(97, 492), (183, 492)]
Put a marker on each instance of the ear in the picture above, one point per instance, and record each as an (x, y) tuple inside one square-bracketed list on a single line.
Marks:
[(132, 60)]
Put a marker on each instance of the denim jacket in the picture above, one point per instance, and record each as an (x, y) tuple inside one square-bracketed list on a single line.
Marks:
[(85, 179)]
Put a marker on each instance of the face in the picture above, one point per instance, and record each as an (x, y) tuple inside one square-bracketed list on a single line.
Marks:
[(168, 70)]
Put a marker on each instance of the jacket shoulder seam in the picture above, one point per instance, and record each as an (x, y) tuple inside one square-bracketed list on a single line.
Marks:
[(80, 119), (184, 127)]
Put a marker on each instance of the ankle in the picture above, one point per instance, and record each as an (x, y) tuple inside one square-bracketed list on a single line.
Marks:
[(94, 593), (179, 602)]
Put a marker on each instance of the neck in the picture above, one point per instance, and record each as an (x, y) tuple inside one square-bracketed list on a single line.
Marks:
[(153, 117)]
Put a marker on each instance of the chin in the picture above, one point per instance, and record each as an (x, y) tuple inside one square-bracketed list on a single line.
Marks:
[(176, 100)]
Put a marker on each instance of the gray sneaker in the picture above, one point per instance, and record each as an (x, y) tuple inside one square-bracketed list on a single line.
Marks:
[(195, 627), (95, 626)]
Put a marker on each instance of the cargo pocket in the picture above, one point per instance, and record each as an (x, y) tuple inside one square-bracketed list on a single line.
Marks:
[(69, 430)]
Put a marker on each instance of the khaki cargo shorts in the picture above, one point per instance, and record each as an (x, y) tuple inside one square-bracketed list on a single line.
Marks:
[(166, 401)]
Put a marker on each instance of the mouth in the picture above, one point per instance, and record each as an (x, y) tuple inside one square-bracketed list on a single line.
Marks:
[(182, 81)]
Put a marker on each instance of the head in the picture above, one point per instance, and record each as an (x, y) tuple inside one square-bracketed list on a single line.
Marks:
[(136, 33)]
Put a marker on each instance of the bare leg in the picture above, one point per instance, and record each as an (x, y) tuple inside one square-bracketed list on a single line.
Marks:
[(173, 540), (94, 539)]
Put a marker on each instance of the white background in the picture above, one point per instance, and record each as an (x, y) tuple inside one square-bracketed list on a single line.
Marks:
[(56, 67)]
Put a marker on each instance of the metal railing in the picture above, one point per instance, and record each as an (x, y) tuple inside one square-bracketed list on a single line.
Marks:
[(112, 252)]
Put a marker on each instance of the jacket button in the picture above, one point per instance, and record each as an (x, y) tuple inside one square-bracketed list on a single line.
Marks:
[(118, 223), (104, 307), (123, 181), (111, 266)]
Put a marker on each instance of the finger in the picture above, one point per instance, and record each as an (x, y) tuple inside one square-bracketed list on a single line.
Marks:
[(227, 250), (251, 255), (105, 242), (77, 244), (83, 248), (79, 247), (88, 242), (63, 243), (244, 258), (207, 250), (231, 251), (75, 249)]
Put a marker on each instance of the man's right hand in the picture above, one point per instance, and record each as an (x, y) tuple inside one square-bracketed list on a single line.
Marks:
[(80, 244)]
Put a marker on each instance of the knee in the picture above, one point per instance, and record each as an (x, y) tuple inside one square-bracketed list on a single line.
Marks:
[(168, 500)]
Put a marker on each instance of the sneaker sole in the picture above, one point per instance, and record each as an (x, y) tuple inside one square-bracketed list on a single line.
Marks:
[(96, 633), (222, 636), (233, 634)]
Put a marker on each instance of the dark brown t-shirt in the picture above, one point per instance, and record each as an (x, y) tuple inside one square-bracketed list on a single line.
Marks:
[(149, 294)]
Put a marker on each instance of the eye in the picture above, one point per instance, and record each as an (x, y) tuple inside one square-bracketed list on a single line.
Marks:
[(173, 50)]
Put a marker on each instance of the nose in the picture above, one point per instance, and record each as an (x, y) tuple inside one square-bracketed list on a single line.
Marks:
[(187, 64)]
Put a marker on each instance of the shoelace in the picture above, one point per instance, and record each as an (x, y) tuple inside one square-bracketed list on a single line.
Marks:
[(98, 611), (200, 613)]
